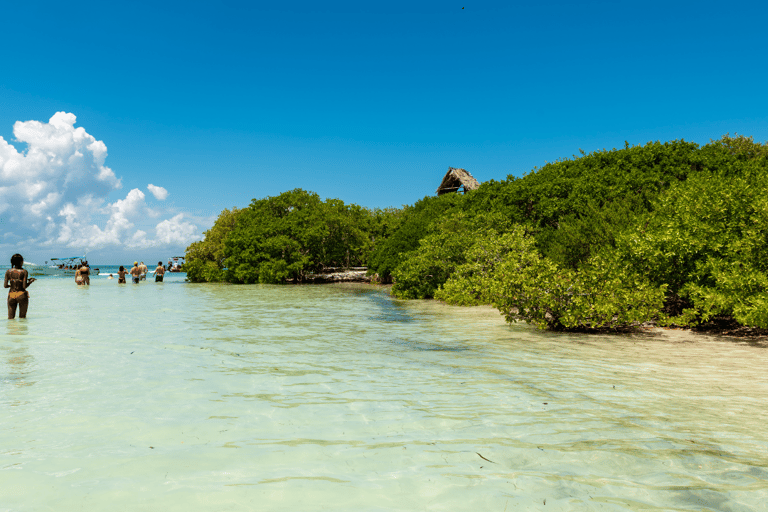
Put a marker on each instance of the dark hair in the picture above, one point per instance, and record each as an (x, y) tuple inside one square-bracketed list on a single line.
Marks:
[(17, 260), (122, 269), (160, 263)]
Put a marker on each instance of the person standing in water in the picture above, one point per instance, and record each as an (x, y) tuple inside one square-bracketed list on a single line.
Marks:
[(83, 274), (159, 272), (17, 279), (135, 272), (85, 271), (121, 275), (143, 269)]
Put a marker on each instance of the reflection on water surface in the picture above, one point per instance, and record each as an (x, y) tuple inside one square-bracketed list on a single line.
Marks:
[(218, 397)]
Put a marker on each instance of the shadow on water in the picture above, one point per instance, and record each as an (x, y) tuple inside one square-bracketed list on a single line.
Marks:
[(427, 347), (390, 310)]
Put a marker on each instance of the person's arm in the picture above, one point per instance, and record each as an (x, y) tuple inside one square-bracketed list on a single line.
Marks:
[(5, 282), (28, 280)]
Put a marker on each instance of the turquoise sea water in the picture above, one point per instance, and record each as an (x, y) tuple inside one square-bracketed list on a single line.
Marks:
[(187, 397)]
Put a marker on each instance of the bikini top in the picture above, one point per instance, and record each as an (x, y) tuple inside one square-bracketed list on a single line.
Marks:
[(16, 279)]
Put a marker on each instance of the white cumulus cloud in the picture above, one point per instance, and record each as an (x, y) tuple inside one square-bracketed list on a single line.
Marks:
[(159, 192), (55, 194), (176, 231)]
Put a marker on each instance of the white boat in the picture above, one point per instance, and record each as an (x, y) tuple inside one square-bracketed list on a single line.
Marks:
[(177, 265), (60, 268)]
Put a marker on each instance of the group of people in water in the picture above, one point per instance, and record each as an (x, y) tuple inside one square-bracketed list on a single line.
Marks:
[(17, 279), (139, 273)]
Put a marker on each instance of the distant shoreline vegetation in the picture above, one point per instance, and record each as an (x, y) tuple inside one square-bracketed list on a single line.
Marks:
[(670, 233)]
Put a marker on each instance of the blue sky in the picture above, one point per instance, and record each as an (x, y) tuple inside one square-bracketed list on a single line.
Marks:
[(369, 102)]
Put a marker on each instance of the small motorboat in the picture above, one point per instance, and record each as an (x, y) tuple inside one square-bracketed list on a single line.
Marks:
[(57, 267), (175, 264)]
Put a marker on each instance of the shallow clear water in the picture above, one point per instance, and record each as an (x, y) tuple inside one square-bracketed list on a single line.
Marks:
[(187, 397)]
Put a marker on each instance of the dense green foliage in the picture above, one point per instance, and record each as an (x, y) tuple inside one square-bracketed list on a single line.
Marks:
[(576, 205), (424, 270), (284, 237), (670, 232), (707, 240), (287, 237), (414, 223), (604, 293), (570, 206), (667, 232), (205, 259)]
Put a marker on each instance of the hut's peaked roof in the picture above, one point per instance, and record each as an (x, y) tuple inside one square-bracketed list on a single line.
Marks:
[(454, 179)]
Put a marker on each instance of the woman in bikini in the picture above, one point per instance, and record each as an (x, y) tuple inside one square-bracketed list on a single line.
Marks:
[(17, 279), (85, 273), (121, 275), (79, 279)]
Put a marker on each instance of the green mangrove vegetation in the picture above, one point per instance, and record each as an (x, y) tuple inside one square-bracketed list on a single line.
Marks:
[(287, 237), (672, 233)]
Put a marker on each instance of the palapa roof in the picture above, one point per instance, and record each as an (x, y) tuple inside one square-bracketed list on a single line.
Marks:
[(455, 179)]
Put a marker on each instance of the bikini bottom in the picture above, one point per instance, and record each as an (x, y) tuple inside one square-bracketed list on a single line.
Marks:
[(17, 298)]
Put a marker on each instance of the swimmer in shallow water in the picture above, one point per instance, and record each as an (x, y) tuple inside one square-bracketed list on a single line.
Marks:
[(17, 279)]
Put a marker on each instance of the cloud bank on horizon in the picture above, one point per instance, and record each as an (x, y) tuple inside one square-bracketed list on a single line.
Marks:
[(55, 194)]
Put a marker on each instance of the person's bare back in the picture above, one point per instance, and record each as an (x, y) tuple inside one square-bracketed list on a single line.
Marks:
[(159, 272), (85, 271), (82, 275), (135, 273)]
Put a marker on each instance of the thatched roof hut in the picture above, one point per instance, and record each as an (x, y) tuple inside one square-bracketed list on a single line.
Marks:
[(456, 179)]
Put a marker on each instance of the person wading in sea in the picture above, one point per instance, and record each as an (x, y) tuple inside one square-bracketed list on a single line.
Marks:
[(85, 271), (17, 279), (159, 272), (83, 274), (121, 275), (143, 269), (135, 272)]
